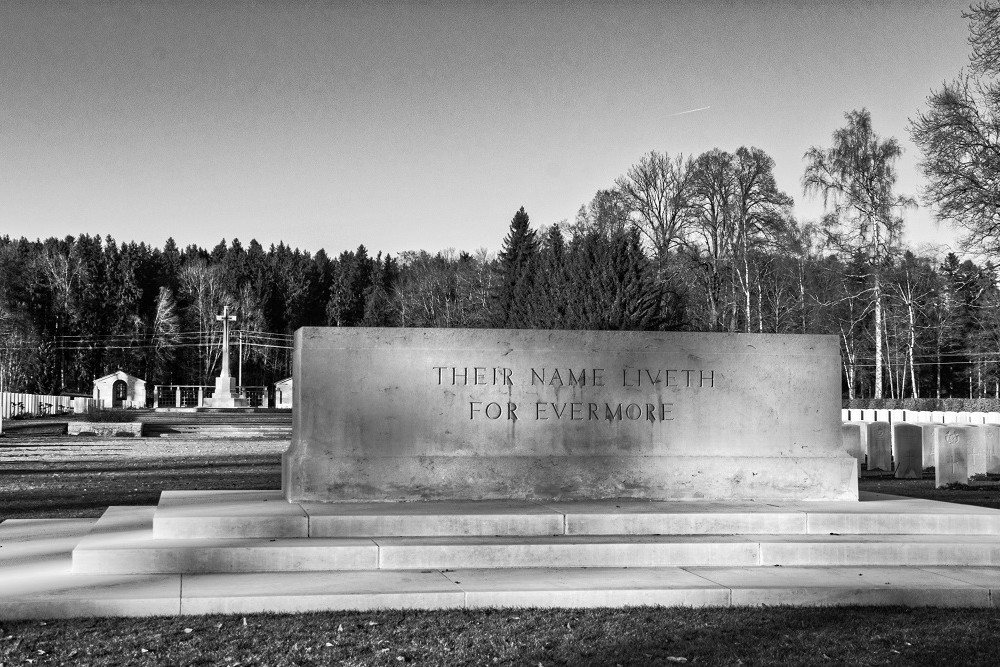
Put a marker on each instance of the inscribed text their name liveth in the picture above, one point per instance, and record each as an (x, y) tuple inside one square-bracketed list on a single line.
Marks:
[(586, 377)]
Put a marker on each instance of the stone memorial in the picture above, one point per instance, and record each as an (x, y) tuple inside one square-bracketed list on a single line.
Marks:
[(907, 450), (897, 415), (878, 444), (951, 454), (951, 417), (436, 414), (929, 438), (226, 393)]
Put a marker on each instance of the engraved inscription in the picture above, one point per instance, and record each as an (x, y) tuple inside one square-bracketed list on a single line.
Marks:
[(588, 380)]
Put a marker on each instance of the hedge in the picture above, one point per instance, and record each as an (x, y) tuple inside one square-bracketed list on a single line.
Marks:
[(924, 404)]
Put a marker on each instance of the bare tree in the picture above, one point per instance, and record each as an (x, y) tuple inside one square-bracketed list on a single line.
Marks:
[(856, 177), (959, 135), (654, 190)]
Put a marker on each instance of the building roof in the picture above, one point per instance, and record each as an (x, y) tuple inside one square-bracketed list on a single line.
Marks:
[(119, 375)]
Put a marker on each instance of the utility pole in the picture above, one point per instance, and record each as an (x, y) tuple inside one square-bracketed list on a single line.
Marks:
[(239, 379)]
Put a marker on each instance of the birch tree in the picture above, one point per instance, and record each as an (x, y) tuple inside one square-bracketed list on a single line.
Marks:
[(856, 177)]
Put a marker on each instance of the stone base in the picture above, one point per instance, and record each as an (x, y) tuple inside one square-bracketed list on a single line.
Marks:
[(567, 478), (202, 552), (226, 395), (125, 429)]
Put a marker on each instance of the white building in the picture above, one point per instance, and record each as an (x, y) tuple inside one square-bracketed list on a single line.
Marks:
[(120, 390), (283, 393)]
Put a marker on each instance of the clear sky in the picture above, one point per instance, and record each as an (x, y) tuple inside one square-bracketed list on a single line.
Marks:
[(426, 125)]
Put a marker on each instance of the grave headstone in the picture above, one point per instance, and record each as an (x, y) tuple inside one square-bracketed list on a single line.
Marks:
[(985, 446), (879, 445), (950, 417), (897, 416), (992, 438), (851, 436), (882, 416), (928, 438), (463, 414), (907, 449), (992, 418), (868, 416), (937, 417), (952, 444), (919, 416), (845, 415)]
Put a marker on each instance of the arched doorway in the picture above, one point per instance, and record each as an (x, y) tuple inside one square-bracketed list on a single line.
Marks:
[(119, 392)]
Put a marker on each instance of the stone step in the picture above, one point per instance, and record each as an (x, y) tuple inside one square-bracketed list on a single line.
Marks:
[(37, 582), (260, 514), (122, 542)]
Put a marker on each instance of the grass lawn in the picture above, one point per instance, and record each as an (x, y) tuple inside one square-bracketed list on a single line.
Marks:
[(635, 636), (60, 477)]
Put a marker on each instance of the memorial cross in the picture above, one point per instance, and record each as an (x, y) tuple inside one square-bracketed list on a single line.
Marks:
[(226, 319)]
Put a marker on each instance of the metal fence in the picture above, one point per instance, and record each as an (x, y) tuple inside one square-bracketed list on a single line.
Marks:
[(195, 395), (14, 404)]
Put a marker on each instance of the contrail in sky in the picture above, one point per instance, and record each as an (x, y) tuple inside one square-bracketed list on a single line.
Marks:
[(681, 113)]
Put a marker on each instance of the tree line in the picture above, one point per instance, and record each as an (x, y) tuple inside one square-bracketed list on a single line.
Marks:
[(693, 243)]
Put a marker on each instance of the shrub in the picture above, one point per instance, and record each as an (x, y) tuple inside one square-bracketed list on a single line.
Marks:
[(924, 404)]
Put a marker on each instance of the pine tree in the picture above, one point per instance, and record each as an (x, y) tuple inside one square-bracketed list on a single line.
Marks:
[(518, 264)]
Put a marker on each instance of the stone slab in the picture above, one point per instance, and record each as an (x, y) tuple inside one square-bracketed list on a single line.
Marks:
[(630, 517), (105, 429), (60, 594), (26, 544), (432, 518), (451, 414), (887, 514), (293, 592), (579, 551), (36, 579), (560, 478), (222, 514), (587, 587), (844, 586), (122, 542), (984, 577), (902, 550)]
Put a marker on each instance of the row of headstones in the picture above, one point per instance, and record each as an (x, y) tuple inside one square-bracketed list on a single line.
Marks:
[(919, 416), (955, 451)]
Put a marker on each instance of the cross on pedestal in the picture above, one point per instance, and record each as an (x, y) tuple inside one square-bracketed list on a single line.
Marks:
[(226, 319)]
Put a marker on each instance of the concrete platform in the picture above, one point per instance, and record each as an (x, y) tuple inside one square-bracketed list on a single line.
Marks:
[(284, 557), (237, 514)]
